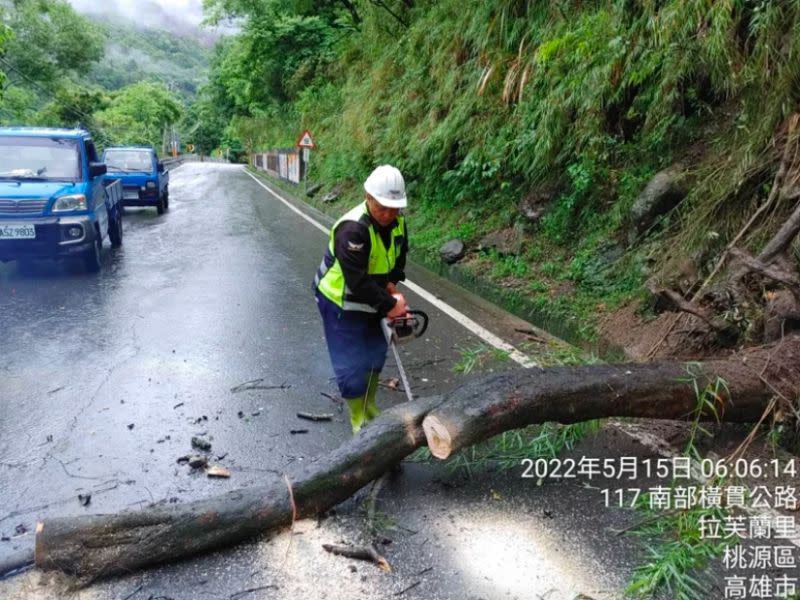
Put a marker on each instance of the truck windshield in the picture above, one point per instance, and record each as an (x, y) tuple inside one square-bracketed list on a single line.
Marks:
[(39, 158), (128, 160)]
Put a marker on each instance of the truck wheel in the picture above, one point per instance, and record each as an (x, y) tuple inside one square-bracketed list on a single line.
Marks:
[(115, 230), (92, 258), (160, 206), (166, 199)]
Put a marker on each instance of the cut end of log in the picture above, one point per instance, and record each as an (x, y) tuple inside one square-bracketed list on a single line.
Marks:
[(439, 440)]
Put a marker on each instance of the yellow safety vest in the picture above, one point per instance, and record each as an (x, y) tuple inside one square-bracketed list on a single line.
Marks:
[(330, 277)]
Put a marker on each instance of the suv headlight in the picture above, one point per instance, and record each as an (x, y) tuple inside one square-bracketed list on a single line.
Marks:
[(150, 185), (65, 203)]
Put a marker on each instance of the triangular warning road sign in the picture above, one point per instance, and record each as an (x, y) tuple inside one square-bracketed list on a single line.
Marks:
[(305, 140)]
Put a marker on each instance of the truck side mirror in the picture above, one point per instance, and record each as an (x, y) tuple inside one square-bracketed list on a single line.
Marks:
[(160, 167), (97, 168)]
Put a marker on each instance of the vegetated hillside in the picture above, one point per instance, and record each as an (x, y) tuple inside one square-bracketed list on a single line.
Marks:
[(133, 54), (46, 51), (544, 122)]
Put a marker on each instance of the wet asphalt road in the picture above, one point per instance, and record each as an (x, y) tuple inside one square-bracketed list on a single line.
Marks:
[(104, 379)]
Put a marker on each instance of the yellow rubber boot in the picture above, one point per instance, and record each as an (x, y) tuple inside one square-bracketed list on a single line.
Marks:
[(372, 390), (357, 412)]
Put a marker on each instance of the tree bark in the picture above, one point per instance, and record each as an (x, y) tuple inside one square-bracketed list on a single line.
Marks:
[(506, 401), (97, 546), (773, 272), (93, 547), (781, 241), (675, 300)]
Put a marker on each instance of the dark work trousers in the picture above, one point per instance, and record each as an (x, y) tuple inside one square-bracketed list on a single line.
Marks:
[(355, 343)]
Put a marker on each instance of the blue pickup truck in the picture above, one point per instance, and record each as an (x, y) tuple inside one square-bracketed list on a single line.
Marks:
[(145, 182), (55, 201)]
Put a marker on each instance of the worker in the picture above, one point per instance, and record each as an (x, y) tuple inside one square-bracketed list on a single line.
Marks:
[(356, 286)]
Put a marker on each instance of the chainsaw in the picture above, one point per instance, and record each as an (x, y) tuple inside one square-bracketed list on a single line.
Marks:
[(402, 330)]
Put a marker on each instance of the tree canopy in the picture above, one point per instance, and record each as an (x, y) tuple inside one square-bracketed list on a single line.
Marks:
[(137, 114), (49, 40), (56, 75)]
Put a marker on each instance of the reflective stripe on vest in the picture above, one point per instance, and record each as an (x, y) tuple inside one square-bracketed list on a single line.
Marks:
[(330, 278)]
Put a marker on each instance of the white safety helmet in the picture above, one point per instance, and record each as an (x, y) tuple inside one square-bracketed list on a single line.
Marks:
[(386, 185)]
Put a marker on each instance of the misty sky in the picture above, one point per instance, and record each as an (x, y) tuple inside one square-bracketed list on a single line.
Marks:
[(162, 14)]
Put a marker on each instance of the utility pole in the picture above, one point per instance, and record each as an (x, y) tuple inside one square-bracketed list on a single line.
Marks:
[(174, 142)]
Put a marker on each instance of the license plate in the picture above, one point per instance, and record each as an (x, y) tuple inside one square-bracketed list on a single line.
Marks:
[(22, 231), (130, 195)]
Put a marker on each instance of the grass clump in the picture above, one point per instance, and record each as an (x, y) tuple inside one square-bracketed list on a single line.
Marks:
[(675, 553)]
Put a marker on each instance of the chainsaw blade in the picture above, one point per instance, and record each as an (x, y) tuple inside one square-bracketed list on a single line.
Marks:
[(403, 377)]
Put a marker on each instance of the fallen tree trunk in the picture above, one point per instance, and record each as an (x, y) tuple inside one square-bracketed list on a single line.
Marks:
[(97, 546), (506, 401), (93, 547)]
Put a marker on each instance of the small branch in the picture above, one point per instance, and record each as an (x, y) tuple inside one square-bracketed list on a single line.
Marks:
[(337, 401), (19, 563), (783, 239), (25, 511), (739, 452), (425, 363), (63, 466), (251, 590), (663, 337), (256, 384), (395, 388), (411, 587), (360, 553), (531, 334), (770, 271), (686, 306), (133, 593), (313, 417)]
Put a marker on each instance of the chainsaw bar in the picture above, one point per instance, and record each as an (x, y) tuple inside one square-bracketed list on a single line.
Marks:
[(402, 330), (403, 377)]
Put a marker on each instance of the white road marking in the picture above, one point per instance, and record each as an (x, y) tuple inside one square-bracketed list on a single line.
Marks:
[(459, 317), (291, 206)]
